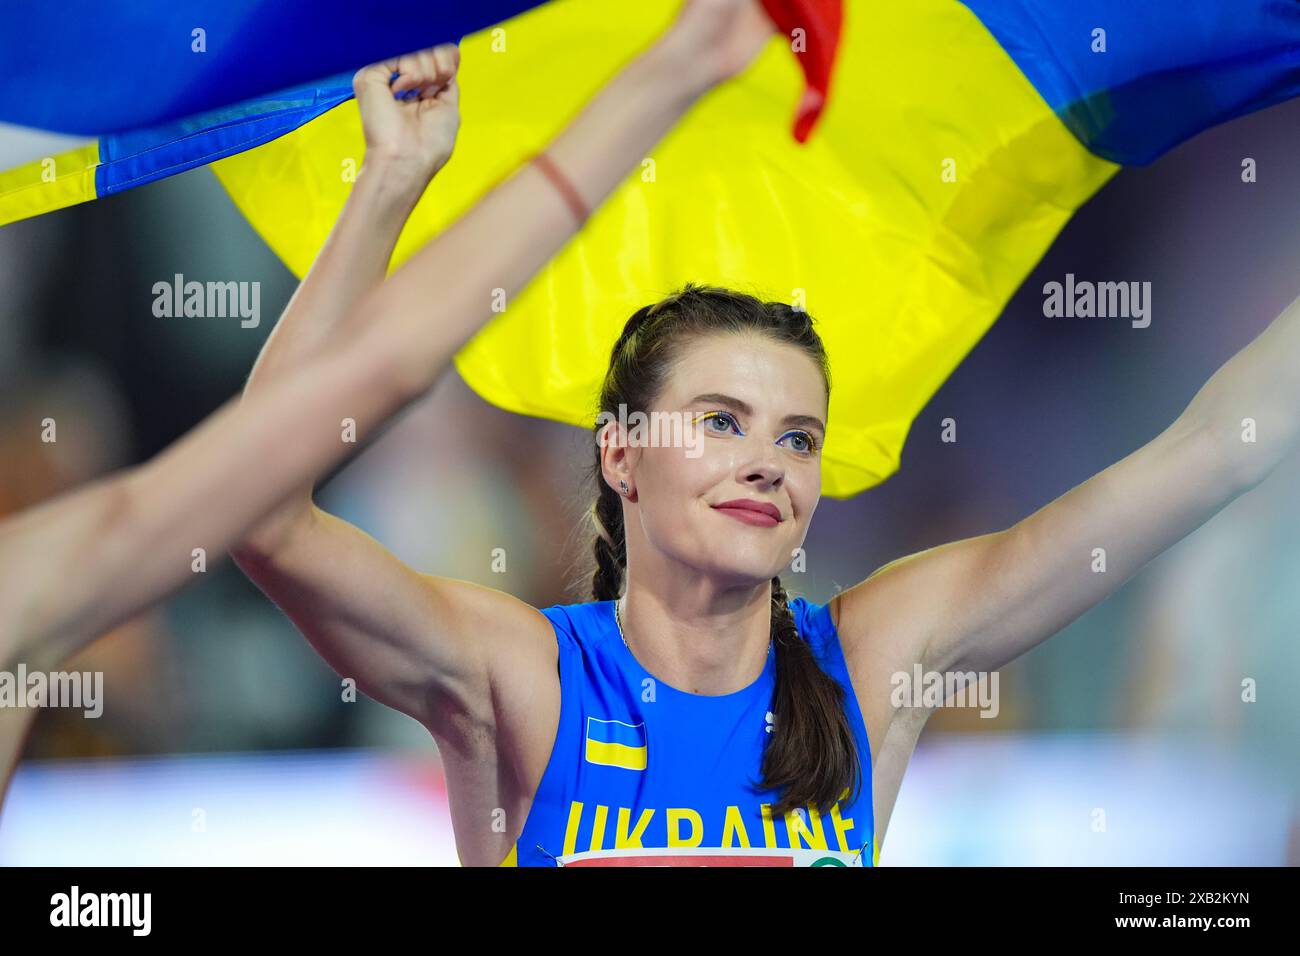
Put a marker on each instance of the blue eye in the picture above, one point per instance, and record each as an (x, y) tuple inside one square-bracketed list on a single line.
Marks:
[(723, 416), (810, 443)]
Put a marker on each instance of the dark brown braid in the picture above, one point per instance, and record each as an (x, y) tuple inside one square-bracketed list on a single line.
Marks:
[(811, 757)]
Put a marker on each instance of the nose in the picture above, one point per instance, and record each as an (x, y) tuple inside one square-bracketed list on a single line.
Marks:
[(764, 469)]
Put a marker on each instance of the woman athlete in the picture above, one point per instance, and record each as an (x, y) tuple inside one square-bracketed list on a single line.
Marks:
[(692, 712), (82, 563)]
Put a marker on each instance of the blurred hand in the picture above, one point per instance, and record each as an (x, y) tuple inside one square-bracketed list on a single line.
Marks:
[(725, 35), (410, 121)]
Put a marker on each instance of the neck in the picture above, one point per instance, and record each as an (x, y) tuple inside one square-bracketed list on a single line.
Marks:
[(699, 639)]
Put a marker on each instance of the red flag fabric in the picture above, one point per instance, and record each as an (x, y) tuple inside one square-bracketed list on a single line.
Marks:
[(820, 22)]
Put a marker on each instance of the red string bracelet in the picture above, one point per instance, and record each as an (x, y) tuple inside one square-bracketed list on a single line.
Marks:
[(561, 183)]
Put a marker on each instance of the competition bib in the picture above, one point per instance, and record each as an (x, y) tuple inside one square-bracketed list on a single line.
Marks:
[(711, 856)]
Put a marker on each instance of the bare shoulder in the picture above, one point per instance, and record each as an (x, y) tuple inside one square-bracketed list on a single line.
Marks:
[(517, 646), (896, 614), (502, 624), (495, 754), (884, 624), (880, 620)]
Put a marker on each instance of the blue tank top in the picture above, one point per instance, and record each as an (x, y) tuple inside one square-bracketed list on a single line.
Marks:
[(642, 773)]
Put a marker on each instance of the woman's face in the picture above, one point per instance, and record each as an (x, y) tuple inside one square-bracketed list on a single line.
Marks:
[(753, 412)]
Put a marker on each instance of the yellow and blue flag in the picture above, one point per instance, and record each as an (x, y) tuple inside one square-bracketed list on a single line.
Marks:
[(613, 743), (957, 140), (164, 88)]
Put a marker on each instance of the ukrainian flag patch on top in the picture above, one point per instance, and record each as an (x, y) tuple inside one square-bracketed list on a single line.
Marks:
[(613, 743)]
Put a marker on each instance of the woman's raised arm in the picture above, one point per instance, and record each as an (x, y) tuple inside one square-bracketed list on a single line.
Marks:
[(409, 115), (424, 644), (975, 605)]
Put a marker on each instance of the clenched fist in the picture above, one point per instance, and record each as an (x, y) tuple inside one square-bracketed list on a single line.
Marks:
[(410, 110)]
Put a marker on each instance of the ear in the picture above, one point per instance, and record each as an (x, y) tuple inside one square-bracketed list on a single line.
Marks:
[(618, 457)]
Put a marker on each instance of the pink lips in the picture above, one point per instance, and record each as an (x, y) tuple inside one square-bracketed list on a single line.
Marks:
[(751, 512)]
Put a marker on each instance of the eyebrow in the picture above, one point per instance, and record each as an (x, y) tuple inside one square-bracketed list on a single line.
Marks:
[(717, 398)]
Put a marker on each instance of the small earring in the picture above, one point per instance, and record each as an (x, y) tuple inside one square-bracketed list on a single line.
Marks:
[(623, 484)]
